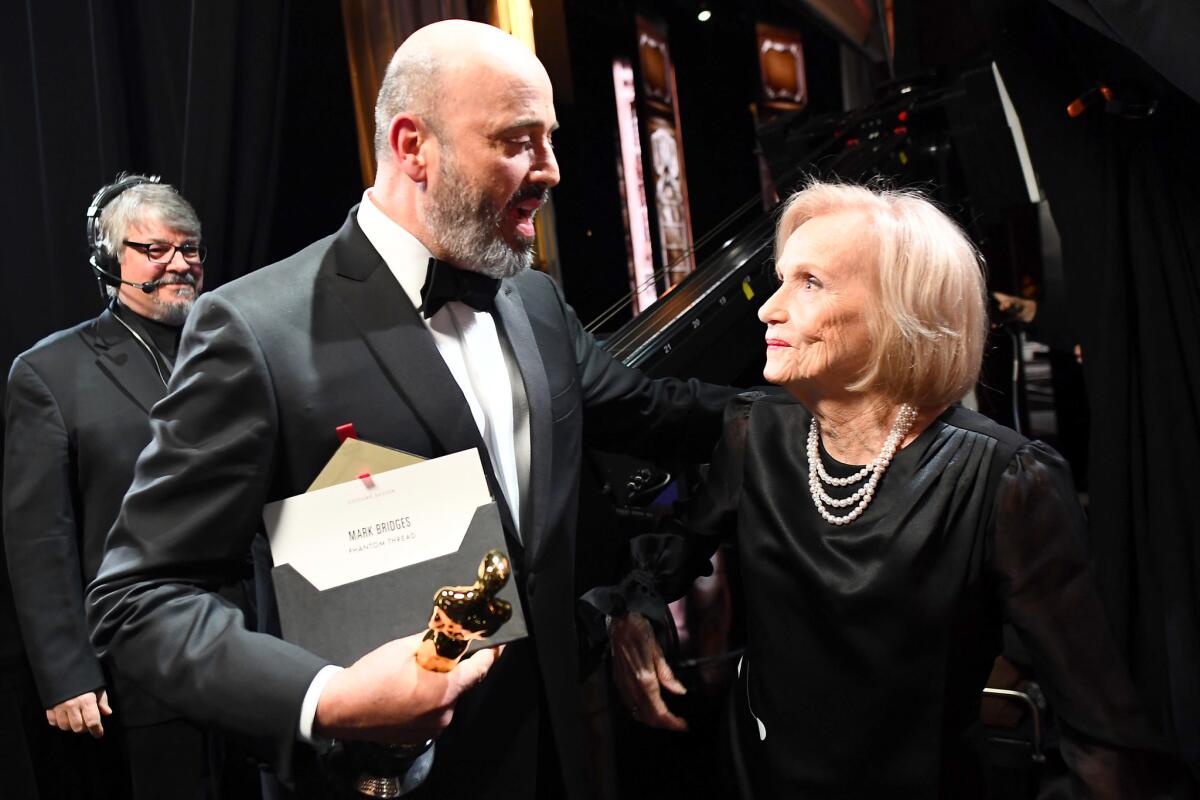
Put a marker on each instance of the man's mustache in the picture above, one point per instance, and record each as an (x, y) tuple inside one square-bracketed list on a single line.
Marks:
[(177, 278), (530, 192)]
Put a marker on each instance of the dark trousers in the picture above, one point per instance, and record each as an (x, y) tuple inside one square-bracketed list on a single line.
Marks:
[(39, 761), (176, 759), (169, 759)]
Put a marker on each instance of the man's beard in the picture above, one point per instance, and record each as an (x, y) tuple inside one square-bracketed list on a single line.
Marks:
[(466, 225), (173, 311)]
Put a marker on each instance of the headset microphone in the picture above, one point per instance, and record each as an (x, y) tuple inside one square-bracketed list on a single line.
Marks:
[(104, 276)]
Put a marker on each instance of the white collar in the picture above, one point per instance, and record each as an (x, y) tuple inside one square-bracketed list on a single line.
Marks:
[(403, 253)]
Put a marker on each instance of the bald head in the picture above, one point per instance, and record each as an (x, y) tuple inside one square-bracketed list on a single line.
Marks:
[(438, 62), (465, 120)]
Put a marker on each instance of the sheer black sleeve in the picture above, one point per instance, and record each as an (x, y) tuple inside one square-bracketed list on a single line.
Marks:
[(663, 565), (1051, 598)]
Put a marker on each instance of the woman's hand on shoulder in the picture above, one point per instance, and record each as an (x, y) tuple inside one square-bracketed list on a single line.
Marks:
[(641, 672)]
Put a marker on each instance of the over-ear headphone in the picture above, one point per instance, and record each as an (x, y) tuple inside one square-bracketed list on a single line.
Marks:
[(105, 266)]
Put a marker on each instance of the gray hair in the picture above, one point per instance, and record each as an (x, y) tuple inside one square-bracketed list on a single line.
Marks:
[(409, 85), (158, 201)]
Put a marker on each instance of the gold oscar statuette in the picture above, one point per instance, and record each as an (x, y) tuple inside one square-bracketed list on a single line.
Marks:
[(461, 615)]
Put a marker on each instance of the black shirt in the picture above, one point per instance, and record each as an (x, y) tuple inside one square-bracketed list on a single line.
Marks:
[(162, 338)]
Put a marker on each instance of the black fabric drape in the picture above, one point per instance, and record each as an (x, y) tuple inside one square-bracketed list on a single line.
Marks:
[(1162, 32), (1125, 194), (189, 90), (193, 91)]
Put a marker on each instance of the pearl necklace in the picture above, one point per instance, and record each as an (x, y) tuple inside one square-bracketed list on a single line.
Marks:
[(905, 418)]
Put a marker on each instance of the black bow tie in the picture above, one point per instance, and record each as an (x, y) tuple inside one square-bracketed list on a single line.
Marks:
[(444, 283)]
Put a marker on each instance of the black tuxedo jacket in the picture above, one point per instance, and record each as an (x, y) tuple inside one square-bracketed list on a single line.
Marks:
[(76, 418), (269, 366)]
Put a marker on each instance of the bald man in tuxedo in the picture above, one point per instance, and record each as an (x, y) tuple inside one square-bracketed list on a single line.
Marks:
[(421, 323)]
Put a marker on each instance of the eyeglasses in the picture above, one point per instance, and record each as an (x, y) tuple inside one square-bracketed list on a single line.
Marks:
[(162, 253)]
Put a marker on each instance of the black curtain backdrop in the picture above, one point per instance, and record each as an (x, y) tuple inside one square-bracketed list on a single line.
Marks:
[(1125, 194), (1161, 32), (189, 90), (199, 92)]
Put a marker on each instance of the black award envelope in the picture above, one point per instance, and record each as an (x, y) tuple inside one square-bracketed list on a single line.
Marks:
[(344, 622)]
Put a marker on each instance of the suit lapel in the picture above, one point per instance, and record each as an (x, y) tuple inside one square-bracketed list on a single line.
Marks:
[(515, 323), (399, 341), (126, 363)]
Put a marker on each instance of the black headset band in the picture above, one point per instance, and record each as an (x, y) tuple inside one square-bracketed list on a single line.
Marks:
[(101, 202)]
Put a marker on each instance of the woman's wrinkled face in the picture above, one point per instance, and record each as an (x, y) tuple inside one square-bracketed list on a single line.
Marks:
[(817, 335)]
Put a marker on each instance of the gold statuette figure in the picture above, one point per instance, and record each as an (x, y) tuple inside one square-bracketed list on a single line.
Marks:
[(462, 614)]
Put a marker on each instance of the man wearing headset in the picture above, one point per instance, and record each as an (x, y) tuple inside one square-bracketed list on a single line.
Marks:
[(76, 418)]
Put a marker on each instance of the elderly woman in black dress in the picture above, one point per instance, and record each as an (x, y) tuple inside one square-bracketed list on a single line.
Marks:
[(884, 532)]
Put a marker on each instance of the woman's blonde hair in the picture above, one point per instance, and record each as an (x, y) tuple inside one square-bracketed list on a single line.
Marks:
[(929, 319)]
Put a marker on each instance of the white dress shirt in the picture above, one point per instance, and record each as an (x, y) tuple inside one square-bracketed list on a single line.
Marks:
[(468, 342)]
